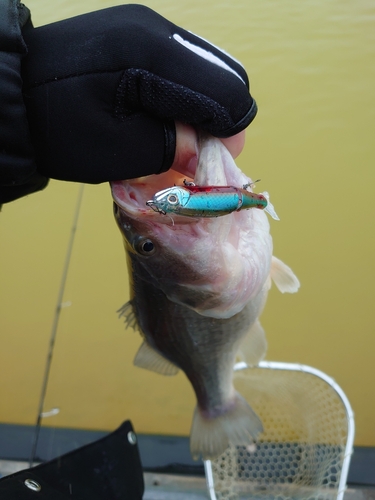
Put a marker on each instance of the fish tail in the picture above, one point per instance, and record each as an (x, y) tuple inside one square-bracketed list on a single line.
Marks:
[(238, 426)]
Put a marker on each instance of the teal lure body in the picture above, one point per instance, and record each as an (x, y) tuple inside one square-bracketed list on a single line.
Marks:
[(207, 201)]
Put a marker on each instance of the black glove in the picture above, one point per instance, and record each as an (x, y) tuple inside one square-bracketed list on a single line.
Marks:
[(103, 90)]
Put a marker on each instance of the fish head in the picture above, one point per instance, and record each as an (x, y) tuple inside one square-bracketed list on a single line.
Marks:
[(211, 265)]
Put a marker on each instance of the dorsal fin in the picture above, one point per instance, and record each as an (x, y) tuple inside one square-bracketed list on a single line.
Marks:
[(127, 312)]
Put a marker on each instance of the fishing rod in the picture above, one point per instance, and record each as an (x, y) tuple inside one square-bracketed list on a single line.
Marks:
[(59, 306)]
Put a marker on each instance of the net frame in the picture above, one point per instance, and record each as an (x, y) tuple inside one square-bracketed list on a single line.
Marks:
[(298, 368)]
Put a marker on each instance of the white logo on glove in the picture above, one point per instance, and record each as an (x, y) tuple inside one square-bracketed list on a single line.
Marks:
[(209, 56)]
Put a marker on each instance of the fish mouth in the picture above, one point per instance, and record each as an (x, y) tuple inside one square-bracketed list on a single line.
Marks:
[(134, 196), (215, 168)]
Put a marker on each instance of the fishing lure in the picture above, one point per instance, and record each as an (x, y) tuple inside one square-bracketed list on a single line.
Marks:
[(208, 201)]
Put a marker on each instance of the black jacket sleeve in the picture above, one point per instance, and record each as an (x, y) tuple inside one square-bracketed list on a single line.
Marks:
[(103, 90), (18, 174)]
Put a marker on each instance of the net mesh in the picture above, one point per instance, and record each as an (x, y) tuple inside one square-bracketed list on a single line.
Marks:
[(301, 452)]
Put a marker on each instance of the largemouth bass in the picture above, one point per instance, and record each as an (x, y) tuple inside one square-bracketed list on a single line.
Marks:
[(198, 287)]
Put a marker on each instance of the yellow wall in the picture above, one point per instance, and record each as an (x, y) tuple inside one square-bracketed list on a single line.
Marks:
[(311, 67)]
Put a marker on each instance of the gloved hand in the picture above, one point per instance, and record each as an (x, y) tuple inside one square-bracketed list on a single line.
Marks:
[(103, 92)]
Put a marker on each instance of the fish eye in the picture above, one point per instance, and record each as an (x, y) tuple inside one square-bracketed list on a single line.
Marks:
[(144, 246), (172, 199)]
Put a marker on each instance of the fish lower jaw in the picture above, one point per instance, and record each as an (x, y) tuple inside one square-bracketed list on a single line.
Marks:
[(128, 198)]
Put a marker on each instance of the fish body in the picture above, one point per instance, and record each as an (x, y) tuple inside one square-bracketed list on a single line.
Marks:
[(198, 287), (205, 201)]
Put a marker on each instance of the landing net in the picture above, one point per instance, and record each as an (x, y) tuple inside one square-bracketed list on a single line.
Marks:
[(304, 451)]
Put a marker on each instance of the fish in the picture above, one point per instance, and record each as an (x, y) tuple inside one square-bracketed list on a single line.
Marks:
[(197, 288)]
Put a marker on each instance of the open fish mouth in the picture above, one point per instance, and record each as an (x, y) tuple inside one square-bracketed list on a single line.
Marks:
[(215, 168), (132, 195)]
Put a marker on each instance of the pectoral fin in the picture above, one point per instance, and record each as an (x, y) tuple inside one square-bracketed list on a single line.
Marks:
[(254, 346), (149, 359), (283, 276)]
